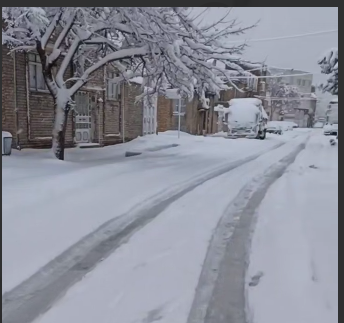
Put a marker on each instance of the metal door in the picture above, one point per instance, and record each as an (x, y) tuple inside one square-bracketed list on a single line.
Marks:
[(83, 122), (149, 115)]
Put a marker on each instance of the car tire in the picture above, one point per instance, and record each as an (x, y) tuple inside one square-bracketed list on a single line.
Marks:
[(263, 135)]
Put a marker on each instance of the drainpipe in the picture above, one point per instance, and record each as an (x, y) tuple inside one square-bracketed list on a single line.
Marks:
[(104, 104), (99, 102), (122, 109), (28, 101), (15, 102)]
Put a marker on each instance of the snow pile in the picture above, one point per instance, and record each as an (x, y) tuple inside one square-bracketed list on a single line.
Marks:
[(295, 244)]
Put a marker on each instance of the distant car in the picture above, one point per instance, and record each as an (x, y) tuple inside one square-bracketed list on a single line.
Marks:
[(331, 129), (318, 124), (274, 128), (285, 125)]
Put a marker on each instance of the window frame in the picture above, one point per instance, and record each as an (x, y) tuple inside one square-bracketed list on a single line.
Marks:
[(175, 103), (35, 62), (115, 86)]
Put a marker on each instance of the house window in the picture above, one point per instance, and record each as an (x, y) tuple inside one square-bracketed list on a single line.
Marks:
[(303, 82), (176, 106), (36, 80), (252, 84), (113, 88)]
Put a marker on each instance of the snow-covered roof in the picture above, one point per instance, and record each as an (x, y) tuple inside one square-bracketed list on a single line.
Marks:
[(243, 64)]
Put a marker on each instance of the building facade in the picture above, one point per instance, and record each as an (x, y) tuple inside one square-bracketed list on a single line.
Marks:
[(303, 113), (194, 119), (197, 120), (104, 112)]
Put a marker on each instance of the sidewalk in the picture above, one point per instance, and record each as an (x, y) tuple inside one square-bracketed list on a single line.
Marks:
[(295, 244)]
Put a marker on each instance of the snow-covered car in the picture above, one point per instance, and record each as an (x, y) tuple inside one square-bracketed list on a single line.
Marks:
[(246, 119), (274, 128), (288, 125), (331, 129), (285, 125)]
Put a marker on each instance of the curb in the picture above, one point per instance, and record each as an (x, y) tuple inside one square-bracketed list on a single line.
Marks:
[(137, 153)]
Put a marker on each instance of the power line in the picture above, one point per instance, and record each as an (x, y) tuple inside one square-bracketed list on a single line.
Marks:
[(285, 99), (272, 76), (285, 37)]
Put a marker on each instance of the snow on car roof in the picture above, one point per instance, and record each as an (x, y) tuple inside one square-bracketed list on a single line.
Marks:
[(244, 112)]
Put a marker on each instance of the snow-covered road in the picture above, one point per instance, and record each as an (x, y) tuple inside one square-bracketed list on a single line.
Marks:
[(44, 200), (295, 245), (196, 193)]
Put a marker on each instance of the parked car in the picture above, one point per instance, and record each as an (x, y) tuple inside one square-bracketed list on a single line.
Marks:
[(285, 125), (318, 124), (331, 129), (288, 125), (274, 128), (247, 119)]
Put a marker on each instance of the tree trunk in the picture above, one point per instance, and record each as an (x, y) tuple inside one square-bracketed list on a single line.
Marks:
[(59, 132)]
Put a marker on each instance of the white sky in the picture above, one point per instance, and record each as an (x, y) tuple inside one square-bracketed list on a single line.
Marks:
[(297, 53)]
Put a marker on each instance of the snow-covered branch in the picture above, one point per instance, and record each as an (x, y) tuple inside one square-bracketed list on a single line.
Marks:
[(329, 65), (121, 54), (161, 44)]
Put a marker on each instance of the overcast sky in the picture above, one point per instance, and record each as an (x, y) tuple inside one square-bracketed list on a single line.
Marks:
[(298, 53)]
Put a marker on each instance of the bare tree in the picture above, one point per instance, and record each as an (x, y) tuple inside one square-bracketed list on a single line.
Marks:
[(284, 98)]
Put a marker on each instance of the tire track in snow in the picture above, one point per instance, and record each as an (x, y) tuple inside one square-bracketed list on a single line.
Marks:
[(37, 294), (221, 292)]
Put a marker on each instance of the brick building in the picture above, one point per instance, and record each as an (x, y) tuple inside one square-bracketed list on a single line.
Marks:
[(194, 118), (104, 112), (197, 120)]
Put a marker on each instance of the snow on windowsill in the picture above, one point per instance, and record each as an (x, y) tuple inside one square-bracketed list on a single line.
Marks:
[(94, 88), (113, 135)]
